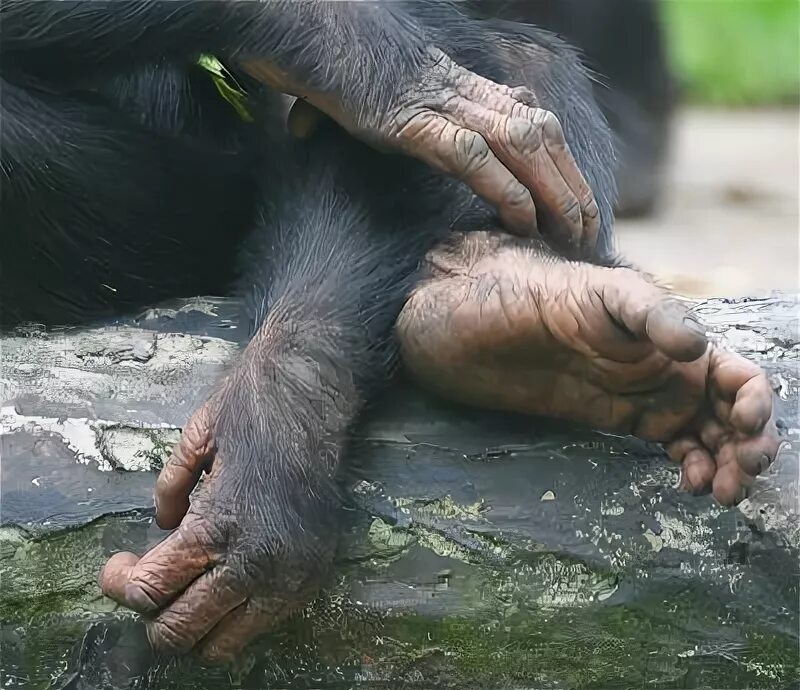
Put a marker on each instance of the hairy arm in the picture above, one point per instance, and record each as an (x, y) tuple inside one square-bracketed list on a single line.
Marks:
[(374, 67), (333, 47)]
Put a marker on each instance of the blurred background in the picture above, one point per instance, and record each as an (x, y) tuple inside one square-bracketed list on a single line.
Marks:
[(725, 221), (703, 98)]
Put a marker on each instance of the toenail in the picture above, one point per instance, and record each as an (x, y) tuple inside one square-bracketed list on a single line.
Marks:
[(694, 325)]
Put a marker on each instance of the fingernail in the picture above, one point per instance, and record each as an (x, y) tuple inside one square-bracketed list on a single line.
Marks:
[(694, 325), (138, 599)]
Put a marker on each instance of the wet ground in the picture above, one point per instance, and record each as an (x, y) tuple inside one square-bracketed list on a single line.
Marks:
[(728, 222)]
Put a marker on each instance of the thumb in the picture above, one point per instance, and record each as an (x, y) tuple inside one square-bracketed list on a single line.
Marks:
[(193, 454)]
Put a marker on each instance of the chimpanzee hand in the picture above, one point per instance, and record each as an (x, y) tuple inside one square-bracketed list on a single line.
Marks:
[(247, 552), (495, 138), (501, 324)]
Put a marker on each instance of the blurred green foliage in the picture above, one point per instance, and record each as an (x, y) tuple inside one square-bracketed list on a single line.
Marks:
[(735, 52)]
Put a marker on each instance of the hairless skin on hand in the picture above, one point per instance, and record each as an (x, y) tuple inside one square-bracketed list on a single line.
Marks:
[(374, 67), (493, 137)]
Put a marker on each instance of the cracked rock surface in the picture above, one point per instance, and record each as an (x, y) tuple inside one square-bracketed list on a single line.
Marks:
[(481, 551)]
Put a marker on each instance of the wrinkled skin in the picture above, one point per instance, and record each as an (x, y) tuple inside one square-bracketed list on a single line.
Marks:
[(500, 323), (225, 575), (503, 324), (493, 137)]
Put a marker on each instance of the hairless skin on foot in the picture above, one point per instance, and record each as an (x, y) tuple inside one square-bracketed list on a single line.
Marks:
[(504, 323)]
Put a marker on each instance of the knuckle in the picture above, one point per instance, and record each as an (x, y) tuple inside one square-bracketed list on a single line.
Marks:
[(590, 208), (524, 95), (141, 595), (572, 211), (523, 135), (515, 195), (165, 636), (198, 534), (215, 654), (472, 153)]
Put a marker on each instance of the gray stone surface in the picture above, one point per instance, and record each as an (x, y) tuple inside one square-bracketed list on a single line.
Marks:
[(483, 550)]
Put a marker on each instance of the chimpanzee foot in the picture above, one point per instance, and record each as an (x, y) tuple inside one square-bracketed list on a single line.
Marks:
[(493, 137), (501, 323), (248, 551)]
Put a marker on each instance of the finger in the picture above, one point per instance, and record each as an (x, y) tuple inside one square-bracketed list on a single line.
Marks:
[(192, 615), (157, 578), (180, 474), (556, 145), (116, 573), (514, 133), (236, 630), (464, 154), (539, 172), (730, 482), (525, 96), (697, 465), (519, 145)]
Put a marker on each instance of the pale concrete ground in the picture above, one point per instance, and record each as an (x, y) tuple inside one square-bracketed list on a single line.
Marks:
[(728, 222)]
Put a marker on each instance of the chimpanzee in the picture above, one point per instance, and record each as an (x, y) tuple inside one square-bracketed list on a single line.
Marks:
[(623, 44), (119, 179), (369, 65)]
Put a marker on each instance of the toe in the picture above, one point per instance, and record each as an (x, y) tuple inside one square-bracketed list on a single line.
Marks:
[(756, 454), (697, 465), (730, 484), (741, 392), (752, 408), (698, 472), (673, 331), (730, 481)]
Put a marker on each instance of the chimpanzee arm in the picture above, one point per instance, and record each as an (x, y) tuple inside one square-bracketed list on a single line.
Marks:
[(328, 271), (75, 38), (368, 65)]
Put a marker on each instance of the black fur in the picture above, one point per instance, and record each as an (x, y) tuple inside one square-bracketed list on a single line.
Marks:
[(623, 43), (346, 47)]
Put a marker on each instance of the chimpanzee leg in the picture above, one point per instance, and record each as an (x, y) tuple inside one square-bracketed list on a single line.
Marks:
[(504, 323), (329, 270), (99, 213), (594, 344)]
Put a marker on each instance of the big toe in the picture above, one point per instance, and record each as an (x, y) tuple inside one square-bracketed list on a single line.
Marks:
[(675, 332)]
